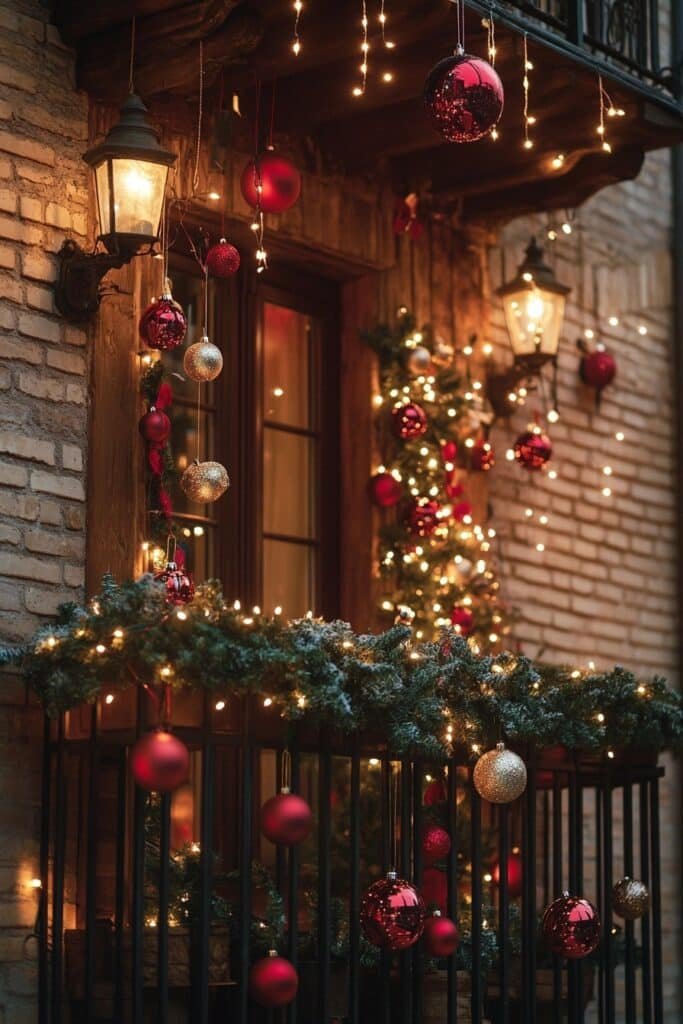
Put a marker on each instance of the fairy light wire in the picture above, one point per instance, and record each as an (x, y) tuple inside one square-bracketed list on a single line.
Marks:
[(296, 42), (526, 84)]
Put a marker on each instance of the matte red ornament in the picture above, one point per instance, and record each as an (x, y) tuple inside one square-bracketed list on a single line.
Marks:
[(385, 490), (454, 490), (482, 457), (273, 981), (392, 913), (464, 97), (435, 888), (435, 793), (409, 421), (223, 259), (178, 583), (571, 927), (449, 451), (279, 179), (286, 819), (598, 369), (160, 762), (441, 936), (463, 619), (436, 844), (422, 518), (163, 325), (533, 449), (461, 511), (514, 875), (155, 426)]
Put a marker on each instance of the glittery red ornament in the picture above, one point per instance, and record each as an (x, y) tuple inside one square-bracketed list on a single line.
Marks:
[(422, 517), (436, 844), (464, 97), (279, 179), (461, 511), (160, 762), (286, 819), (223, 259), (598, 369), (435, 793), (482, 457), (163, 325), (409, 421), (463, 619), (435, 888), (441, 935), (385, 490), (571, 927), (155, 426), (273, 981), (533, 449), (392, 913), (179, 585), (449, 451), (514, 875)]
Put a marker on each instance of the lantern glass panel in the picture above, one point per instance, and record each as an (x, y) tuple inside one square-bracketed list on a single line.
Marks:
[(103, 198), (139, 188), (534, 320)]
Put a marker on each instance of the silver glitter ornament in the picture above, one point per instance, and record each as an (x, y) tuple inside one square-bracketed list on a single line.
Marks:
[(203, 361), (630, 898), (500, 775), (203, 482), (420, 360)]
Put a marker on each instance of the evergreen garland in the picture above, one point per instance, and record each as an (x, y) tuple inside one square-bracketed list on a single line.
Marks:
[(421, 699)]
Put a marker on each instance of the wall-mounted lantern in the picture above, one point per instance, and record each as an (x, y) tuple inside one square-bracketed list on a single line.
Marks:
[(130, 168), (533, 303)]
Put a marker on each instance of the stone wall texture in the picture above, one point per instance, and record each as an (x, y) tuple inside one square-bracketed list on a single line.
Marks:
[(43, 422)]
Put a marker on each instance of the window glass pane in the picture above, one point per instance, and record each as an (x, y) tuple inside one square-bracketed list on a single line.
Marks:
[(197, 541), (288, 577), (188, 290), (288, 504), (286, 369)]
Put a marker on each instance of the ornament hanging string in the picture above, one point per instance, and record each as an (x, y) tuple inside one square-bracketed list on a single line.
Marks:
[(286, 770), (460, 25), (131, 83), (200, 112), (272, 115)]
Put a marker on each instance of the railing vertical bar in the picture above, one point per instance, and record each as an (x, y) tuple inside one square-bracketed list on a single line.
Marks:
[(387, 864), (58, 877), (162, 919), (247, 771), (43, 894), (418, 962), (120, 894), (557, 886), (578, 858), (138, 872), (324, 878), (354, 895), (91, 863), (654, 35), (575, 25), (656, 902), (476, 906), (608, 940), (201, 929), (629, 949), (546, 847), (645, 920), (504, 912), (406, 957), (452, 810), (280, 851), (293, 880), (574, 1007), (529, 922)]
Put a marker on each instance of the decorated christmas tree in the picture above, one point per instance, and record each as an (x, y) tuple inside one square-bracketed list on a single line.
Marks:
[(435, 561)]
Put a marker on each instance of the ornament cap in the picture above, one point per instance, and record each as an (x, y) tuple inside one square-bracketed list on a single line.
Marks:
[(391, 875), (285, 790), (272, 952), (500, 746), (436, 913)]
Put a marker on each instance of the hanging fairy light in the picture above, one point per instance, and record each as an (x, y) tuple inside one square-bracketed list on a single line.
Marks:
[(359, 90), (606, 107), (529, 119), (296, 42)]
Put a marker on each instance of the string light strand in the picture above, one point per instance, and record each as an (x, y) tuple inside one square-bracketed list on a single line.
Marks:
[(296, 43), (529, 119)]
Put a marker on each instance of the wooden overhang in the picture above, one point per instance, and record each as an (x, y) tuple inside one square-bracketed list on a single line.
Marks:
[(386, 132)]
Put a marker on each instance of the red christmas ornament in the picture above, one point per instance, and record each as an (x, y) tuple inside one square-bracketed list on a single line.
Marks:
[(163, 325), (454, 491), (423, 517), (223, 259), (436, 844), (464, 97), (409, 421), (514, 875), (178, 583), (463, 619), (462, 510), (435, 888), (286, 819), (571, 927), (155, 426), (598, 369), (279, 179), (385, 490), (533, 449), (273, 981), (449, 451), (392, 913), (482, 457), (441, 936), (435, 793), (160, 762)]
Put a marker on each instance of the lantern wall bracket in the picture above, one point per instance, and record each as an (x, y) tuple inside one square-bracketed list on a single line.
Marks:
[(77, 291)]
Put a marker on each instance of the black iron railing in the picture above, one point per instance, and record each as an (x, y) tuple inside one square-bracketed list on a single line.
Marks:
[(113, 949)]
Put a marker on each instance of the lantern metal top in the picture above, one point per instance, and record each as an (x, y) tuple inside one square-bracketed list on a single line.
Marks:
[(533, 271), (132, 137)]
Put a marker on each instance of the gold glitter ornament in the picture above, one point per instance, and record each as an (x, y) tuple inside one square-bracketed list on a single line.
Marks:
[(500, 775), (630, 898), (203, 482), (203, 361)]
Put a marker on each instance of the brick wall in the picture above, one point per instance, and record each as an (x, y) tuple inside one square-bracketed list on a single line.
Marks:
[(604, 588), (43, 199)]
